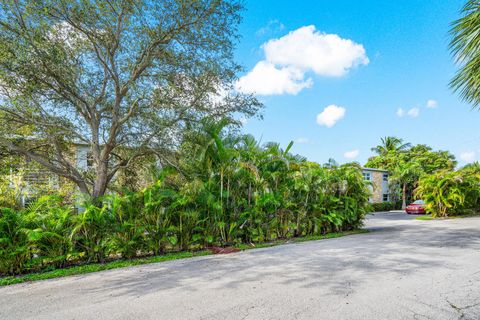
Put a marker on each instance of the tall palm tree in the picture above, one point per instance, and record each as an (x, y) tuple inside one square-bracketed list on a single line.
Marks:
[(404, 174), (390, 144), (465, 46)]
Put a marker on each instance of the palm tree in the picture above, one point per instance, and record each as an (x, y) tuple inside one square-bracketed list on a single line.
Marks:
[(404, 174), (465, 46), (390, 144)]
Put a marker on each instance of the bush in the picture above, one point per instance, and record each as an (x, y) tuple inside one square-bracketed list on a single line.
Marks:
[(14, 243), (385, 206), (451, 193), (227, 191), (172, 216)]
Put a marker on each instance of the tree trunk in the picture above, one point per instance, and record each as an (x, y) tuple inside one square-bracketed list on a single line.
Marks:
[(404, 196), (82, 186), (101, 180)]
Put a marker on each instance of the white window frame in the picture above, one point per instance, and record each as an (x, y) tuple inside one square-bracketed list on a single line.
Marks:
[(367, 176)]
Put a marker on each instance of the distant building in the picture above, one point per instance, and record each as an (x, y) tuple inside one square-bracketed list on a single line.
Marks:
[(380, 189)]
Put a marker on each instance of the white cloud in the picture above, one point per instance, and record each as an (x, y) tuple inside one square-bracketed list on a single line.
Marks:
[(267, 79), (351, 154), (432, 104), (308, 49), (468, 156), (414, 112), (330, 115), (289, 58), (303, 140)]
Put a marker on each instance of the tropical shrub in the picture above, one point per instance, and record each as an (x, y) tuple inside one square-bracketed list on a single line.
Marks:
[(92, 232), (14, 244), (406, 164), (386, 206), (48, 226), (451, 192), (226, 190)]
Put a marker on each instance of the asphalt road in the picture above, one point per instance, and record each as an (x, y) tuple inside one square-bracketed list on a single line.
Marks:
[(403, 269)]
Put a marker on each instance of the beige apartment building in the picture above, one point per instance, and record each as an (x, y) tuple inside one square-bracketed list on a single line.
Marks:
[(379, 187)]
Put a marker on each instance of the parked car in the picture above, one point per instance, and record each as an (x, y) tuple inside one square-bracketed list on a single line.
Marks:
[(417, 207)]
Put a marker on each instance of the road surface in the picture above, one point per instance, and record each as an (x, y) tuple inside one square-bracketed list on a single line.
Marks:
[(402, 269)]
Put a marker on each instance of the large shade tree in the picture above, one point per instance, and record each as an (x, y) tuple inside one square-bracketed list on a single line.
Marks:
[(121, 77)]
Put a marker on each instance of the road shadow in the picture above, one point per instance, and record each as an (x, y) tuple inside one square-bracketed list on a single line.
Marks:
[(403, 247)]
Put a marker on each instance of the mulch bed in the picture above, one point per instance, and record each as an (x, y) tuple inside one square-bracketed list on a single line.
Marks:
[(220, 250)]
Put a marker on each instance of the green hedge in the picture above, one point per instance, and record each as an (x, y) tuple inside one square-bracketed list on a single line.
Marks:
[(176, 215), (385, 206)]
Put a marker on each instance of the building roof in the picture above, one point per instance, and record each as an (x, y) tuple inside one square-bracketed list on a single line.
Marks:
[(373, 169)]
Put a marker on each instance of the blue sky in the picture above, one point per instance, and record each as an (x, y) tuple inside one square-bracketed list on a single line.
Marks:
[(404, 63)]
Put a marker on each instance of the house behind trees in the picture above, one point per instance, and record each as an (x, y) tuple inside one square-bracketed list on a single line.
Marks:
[(379, 188)]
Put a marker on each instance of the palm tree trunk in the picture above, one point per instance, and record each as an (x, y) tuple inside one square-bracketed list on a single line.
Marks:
[(221, 191), (404, 196)]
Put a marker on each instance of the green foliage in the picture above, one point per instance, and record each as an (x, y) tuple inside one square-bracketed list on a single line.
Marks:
[(95, 267), (390, 144), (14, 242), (49, 226), (119, 77), (465, 47), (385, 206), (22, 181), (226, 190), (406, 164), (451, 192)]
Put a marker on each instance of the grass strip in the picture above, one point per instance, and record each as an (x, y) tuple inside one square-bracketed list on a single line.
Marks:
[(95, 267), (461, 216), (425, 217), (300, 239)]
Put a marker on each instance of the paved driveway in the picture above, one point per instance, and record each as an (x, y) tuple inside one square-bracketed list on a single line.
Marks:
[(403, 269)]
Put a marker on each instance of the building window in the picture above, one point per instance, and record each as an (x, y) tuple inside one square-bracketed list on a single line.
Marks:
[(385, 177), (385, 197), (367, 176)]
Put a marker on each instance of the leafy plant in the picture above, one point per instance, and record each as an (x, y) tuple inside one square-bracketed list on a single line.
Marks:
[(15, 248), (450, 193), (225, 190)]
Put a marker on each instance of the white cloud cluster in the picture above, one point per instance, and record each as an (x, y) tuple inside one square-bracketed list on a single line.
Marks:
[(267, 79), (308, 49), (330, 115), (351, 154), (432, 104), (290, 57), (468, 156), (413, 112)]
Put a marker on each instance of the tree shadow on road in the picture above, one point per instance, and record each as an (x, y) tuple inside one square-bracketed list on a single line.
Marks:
[(336, 264)]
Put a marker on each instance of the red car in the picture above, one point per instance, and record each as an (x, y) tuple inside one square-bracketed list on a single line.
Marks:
[(417, 207)]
